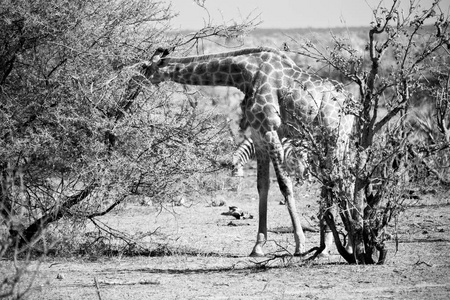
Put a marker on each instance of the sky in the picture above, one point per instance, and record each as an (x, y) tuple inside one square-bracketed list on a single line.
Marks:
[(283, 14)]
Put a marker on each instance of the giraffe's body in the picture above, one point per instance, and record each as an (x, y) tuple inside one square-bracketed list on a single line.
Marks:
[(278, 96)]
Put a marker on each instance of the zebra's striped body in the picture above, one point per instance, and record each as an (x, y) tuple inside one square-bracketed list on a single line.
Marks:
[(295, 161)]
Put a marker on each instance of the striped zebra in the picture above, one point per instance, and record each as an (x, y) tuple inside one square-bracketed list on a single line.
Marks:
[(295, 160)]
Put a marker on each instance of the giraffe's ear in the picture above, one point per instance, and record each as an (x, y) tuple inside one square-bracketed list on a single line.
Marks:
[(156, 58), (160, 53), (145, 64)]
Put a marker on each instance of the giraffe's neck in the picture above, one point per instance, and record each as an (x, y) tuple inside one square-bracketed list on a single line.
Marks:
[(235, 69), (214, 72)]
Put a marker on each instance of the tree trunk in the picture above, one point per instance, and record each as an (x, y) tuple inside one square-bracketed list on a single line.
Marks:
[(357, 215)]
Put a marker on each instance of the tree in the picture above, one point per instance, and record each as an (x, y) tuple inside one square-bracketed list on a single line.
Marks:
[(61, 75), (74, 144), (404, 56), (60, 72)]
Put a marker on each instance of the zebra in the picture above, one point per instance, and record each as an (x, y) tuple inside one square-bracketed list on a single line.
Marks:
[(295, 160)]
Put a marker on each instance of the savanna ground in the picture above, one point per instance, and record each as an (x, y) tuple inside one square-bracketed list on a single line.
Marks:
[(202, 254)]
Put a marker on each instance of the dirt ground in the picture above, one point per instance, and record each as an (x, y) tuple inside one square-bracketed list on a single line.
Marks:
[(208, 258)]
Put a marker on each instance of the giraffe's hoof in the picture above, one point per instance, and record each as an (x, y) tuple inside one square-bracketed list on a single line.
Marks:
[(257, 254), (257, 250), (300, 252), (324, 254)]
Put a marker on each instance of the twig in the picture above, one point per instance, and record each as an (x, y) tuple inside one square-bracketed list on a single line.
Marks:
[(97, 288)]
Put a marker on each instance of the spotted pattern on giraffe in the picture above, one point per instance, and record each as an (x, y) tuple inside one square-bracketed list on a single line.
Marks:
[(278, 96)]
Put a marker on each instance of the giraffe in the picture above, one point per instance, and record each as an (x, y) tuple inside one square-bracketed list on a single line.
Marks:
[(279, 96)]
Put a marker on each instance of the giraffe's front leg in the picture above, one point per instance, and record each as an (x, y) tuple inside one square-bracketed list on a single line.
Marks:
[(263, 182), (286, 188)]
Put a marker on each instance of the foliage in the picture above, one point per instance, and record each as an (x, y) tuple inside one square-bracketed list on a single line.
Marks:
[(74, 144)]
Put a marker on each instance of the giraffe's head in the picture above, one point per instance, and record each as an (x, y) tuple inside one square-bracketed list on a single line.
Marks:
[(150, 69)]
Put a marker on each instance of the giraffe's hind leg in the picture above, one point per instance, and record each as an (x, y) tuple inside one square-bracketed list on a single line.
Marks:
[(326, 236), (285, 183)]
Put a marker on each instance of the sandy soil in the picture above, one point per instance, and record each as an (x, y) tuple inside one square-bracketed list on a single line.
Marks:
[(209, 258)]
